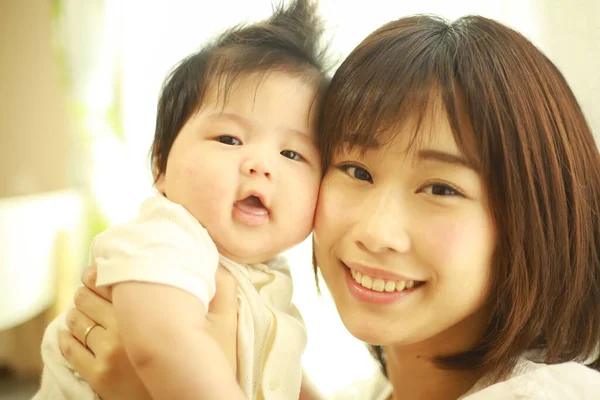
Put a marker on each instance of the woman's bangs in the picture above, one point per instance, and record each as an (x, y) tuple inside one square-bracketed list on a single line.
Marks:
[(369, 113), (372, 118)]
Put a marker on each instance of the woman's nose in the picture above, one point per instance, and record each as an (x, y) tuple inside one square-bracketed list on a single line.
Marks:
[(382, 224)]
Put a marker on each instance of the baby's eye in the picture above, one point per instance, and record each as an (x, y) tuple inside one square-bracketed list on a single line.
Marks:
[(229, 140), (441, 189), (292, 155), (357, 172)]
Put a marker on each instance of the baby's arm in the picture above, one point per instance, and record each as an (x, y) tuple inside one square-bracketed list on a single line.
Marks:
[(162, 331)]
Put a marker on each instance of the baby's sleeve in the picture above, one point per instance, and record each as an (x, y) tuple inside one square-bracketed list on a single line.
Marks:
[(164, 245)]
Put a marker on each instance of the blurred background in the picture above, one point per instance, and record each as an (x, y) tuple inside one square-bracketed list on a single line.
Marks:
[(79, 81)]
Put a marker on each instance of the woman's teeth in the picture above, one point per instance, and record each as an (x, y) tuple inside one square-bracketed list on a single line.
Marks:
[(380, 285)]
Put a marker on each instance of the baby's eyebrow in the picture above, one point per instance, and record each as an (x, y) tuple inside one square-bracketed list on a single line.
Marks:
[(244, 122), (303, 136), (249, 125)]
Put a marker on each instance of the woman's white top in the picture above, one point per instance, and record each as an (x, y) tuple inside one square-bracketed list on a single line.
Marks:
[(529, 380)]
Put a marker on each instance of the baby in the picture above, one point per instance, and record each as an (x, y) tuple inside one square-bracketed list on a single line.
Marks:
[(237, 171)]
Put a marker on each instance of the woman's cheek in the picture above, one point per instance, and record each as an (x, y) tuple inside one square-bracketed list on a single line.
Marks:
[(441, 235), (329, 206), (460, 245)]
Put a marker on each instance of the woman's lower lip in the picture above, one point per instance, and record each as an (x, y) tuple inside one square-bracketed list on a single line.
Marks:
[(247, 218), (372, 296)]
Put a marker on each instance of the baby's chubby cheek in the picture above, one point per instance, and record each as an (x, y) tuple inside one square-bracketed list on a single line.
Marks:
[(313, 208), (198, 189)]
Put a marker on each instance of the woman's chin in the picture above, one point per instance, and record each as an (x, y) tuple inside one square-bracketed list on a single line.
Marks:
[(367, 333), (381, 332)]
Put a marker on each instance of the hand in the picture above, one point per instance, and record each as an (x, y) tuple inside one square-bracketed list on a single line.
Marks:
[(104, 363)]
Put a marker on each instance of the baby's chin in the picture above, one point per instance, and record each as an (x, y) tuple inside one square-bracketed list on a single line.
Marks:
[(254, 250), (244, 255)]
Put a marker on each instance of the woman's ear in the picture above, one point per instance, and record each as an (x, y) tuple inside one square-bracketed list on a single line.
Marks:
[(159, 180), (160, 183)]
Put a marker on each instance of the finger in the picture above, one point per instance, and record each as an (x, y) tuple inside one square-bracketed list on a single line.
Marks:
[(76, 354), (88, 278), (225, 299), (78, 325), (95, 307)]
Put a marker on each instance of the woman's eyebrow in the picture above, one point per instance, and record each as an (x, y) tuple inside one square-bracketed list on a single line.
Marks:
[(369, 143), (442, 156)]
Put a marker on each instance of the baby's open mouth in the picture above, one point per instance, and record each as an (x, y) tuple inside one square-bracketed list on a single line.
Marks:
[(252, 205)]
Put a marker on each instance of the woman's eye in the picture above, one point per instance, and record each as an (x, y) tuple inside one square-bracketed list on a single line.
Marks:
[(292, 155), (440, 189), (229, 140), (357, 172)]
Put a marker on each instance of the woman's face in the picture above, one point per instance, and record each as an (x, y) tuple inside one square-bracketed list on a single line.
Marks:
[(404, 240)]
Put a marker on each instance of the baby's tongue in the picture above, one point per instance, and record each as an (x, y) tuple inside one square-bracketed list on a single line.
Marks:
[(252, 205)]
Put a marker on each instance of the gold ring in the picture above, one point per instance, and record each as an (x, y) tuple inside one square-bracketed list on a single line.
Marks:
[(87, 332)]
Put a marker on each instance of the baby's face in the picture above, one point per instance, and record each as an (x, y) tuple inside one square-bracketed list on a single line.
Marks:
[(249, 169)]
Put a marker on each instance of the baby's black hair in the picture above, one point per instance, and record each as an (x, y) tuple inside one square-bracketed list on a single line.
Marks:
[(290, 40)]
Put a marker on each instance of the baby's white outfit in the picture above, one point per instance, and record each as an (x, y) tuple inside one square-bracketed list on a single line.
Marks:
[(165, 244)]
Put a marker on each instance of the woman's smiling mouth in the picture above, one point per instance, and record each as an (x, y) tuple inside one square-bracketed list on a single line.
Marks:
[(378, 290)]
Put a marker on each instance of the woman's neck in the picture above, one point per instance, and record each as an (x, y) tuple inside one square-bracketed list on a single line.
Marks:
[(414, 376)]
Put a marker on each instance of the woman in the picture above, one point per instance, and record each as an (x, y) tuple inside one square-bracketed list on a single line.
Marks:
[(458, 221)]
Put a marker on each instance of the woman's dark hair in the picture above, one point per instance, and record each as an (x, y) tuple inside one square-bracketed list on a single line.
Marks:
[(290, 40), (528, 139)]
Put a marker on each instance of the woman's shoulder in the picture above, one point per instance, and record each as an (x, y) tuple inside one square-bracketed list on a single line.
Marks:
[(532, 380), (529, 380), (376, 387)]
